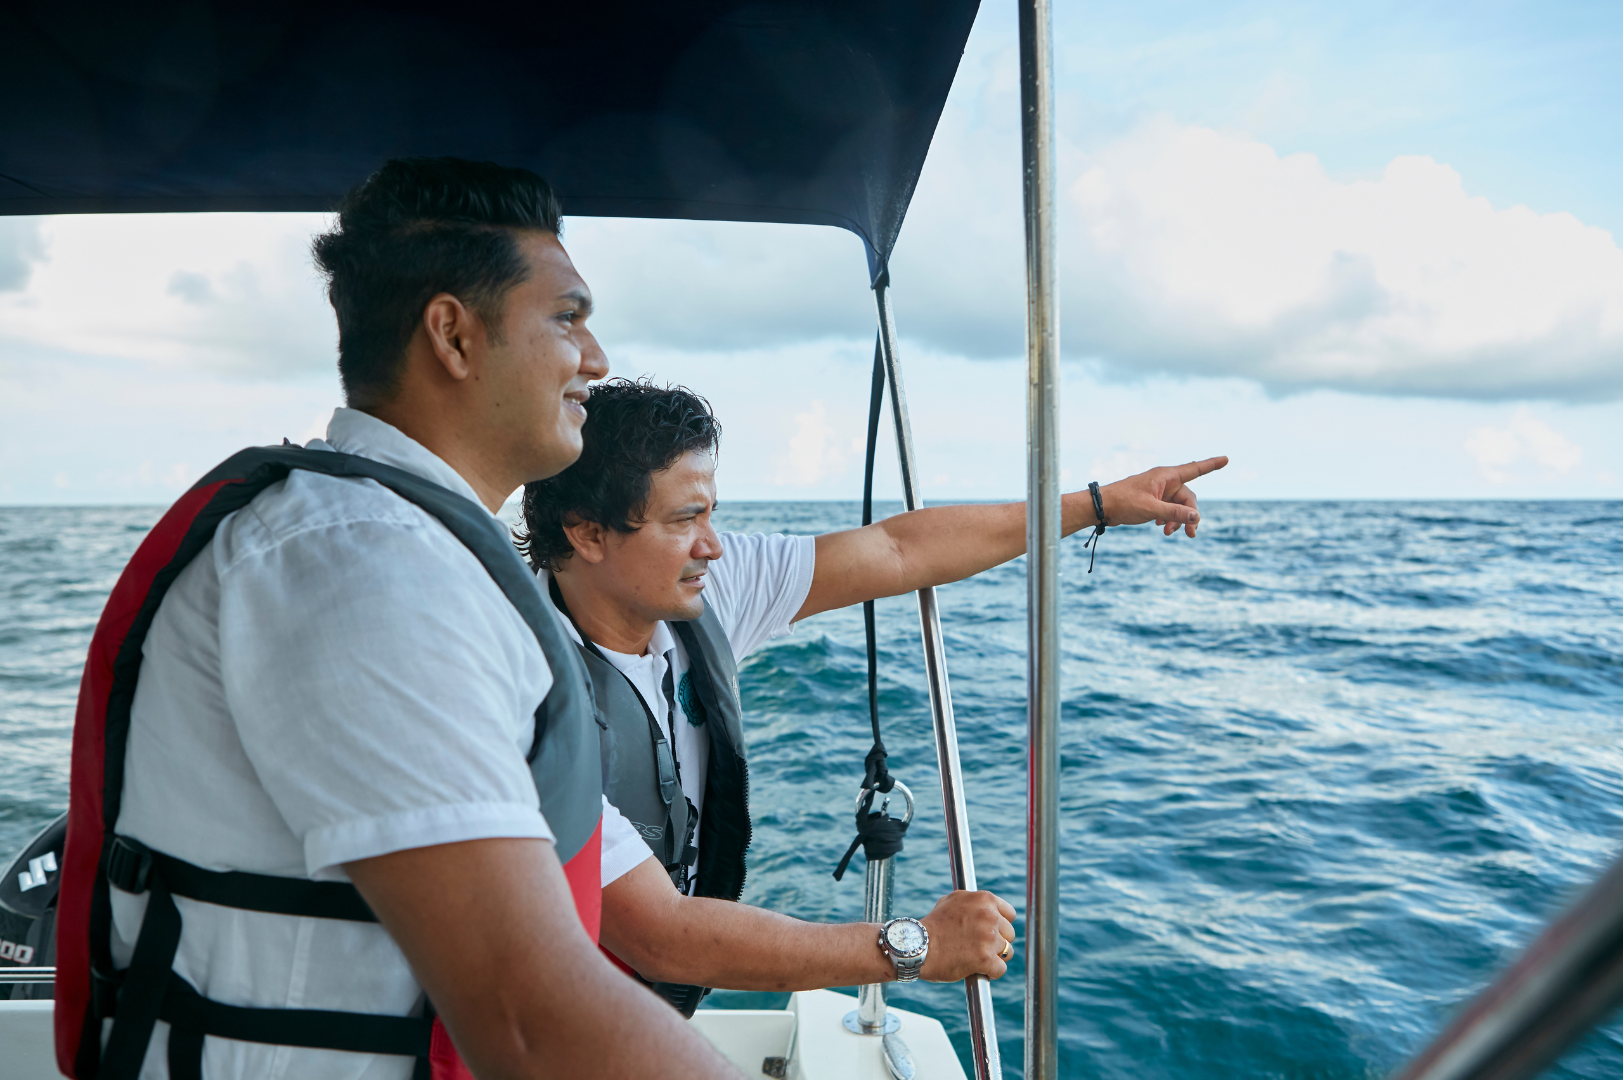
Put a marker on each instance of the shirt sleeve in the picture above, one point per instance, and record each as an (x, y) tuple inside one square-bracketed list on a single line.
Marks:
[(383, 690), (623, 846), (758, 585)]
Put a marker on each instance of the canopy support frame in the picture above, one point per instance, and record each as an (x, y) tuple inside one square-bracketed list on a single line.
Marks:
[(978, 989), (1042, 541)]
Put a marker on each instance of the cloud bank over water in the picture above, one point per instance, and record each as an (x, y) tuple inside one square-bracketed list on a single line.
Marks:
[(1524, 444), (20, 249), (1200, 252), (227, 294), (1184, 251)]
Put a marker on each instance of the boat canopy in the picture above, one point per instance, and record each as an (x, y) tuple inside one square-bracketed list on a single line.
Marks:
[(713, 109)]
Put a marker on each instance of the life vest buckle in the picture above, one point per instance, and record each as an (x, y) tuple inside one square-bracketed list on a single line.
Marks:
[(104, 987), (129, 865)]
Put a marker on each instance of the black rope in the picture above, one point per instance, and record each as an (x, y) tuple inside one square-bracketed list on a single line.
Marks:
[(879, 835), (875, 776)]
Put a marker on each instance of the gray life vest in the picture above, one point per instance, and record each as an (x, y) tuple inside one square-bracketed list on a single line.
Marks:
[(639, 775)]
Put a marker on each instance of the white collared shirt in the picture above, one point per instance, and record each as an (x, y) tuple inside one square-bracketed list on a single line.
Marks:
[(336, 677)]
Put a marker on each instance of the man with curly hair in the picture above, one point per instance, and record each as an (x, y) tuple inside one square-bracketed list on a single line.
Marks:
[(664, 608)]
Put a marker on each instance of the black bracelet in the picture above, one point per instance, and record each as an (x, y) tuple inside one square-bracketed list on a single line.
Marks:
[(1099, 528)]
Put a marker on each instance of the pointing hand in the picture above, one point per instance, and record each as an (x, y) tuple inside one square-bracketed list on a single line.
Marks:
[(1161, 495)]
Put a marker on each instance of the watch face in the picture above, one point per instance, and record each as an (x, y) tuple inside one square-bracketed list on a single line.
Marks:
[(905, 938)]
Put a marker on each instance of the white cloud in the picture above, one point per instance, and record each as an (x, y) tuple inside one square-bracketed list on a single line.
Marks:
[(234, 294), (86, 431), (721, 285), (1526, 438), (1200, 252), (1184, 251), (815, 451), (20, 249), (1122, 461)]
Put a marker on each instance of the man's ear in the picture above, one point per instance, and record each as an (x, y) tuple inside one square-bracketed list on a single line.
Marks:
[(453, 332), (589, 539)]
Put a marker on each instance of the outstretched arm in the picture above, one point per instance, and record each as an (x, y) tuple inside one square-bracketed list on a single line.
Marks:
[(941, 544), (522, 990), (669, 937)]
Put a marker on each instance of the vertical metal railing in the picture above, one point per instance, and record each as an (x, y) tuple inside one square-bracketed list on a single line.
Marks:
[(870, 1016), (1042, 540), (982, 1028), (876, 908)]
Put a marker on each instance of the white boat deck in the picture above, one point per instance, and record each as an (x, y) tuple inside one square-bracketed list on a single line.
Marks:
[(26, 1049), (809, 1033)]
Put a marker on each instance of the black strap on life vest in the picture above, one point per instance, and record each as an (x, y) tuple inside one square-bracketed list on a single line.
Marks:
[(149, 990), (879, 835)]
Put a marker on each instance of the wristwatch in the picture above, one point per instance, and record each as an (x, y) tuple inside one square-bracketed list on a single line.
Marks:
[(907, 943)]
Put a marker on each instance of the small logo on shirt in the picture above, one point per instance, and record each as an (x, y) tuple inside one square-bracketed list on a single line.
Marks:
[(649, 832), (688, 698)]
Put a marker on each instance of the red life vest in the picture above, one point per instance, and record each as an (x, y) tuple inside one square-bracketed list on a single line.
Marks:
[(564, 761)]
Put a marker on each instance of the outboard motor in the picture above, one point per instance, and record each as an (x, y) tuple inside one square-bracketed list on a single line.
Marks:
[(28, 911)]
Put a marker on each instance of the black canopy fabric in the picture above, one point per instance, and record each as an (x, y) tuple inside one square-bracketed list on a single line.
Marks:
[(722, 110)]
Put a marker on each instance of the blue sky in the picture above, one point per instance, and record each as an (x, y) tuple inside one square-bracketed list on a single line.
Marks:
[(1365, 250), (1524, 99)]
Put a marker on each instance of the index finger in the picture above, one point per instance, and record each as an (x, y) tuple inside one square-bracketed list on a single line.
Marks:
[(1190, 471)]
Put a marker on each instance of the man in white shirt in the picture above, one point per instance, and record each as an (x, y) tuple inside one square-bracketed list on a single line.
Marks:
[(624, 535), (336, 688)]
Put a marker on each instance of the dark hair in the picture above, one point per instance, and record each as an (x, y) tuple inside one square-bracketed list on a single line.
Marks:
[(632, 430), (414, 229)]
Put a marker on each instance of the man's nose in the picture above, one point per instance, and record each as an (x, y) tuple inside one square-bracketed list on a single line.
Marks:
[(594, 362), (709, 544)]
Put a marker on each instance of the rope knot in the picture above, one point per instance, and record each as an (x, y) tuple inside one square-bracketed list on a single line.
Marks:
[(879, 835)]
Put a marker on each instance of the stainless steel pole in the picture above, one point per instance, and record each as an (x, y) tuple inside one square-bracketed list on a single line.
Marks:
[(982, 1028), (870, 1016), (876, 894), (1042, 540)]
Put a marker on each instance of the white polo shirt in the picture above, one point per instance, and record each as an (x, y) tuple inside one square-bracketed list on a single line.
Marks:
[(336, 677)]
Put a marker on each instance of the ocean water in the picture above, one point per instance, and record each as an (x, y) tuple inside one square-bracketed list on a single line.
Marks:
[(1325, 769)]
